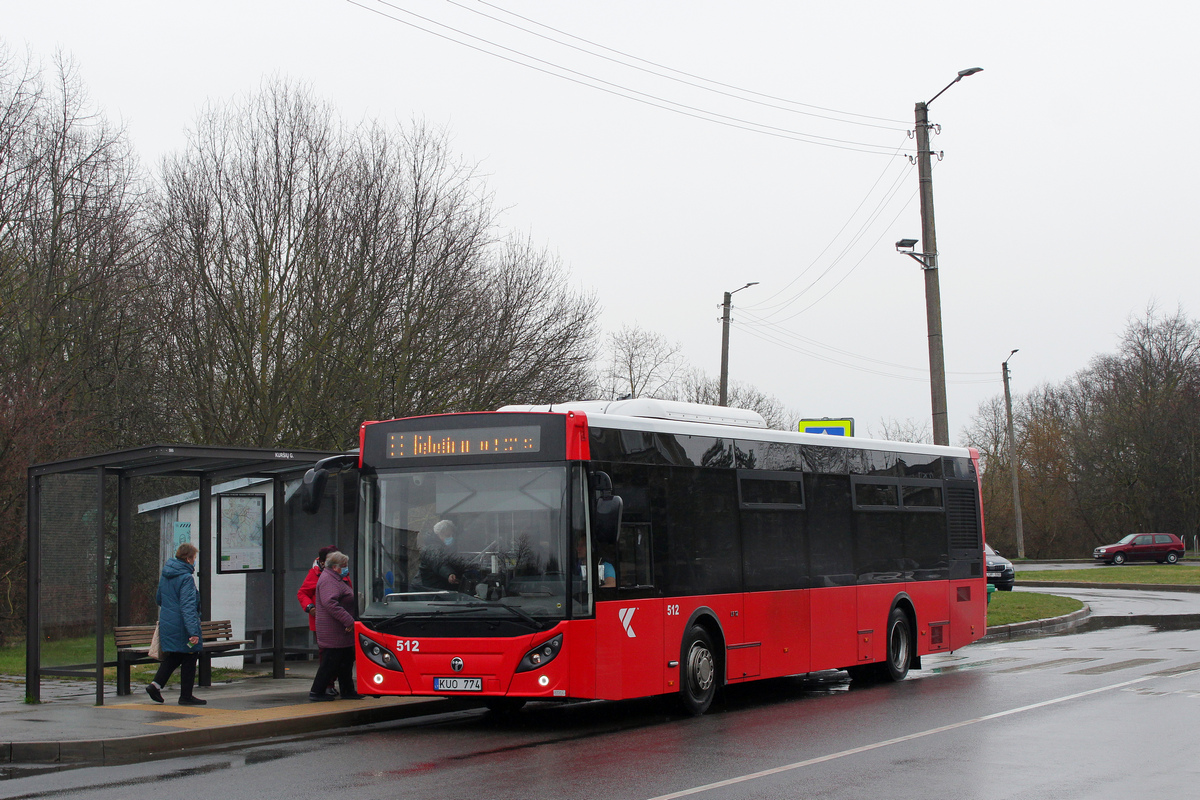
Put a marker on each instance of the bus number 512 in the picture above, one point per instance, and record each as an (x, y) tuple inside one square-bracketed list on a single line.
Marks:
[(672, 611), (408, 645)]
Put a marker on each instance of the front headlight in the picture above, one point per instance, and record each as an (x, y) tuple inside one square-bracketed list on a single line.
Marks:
[(378, 654), (1102, 550), (541, 655)]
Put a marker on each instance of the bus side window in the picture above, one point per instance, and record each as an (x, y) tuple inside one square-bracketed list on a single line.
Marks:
[(633, 556)]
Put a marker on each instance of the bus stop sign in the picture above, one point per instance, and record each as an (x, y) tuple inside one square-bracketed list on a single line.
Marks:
[(833, 427)]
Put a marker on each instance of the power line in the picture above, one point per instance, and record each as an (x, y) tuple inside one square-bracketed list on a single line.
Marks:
[(709, 116), (783, 332), (766, 337), (686, 75), (619, 90), (697, 77), (764, 304), (862, 230)]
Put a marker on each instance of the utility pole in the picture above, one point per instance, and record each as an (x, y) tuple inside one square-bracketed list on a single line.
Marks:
[(725, 349), (1012, 460), (929, 263), (933, 291), (726, 306)]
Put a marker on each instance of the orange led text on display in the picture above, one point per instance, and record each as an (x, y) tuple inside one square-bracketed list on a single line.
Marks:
[(481, 441)]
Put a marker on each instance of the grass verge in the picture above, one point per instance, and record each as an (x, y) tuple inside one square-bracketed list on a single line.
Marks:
[(82, 650), (1009, 607), (1157, 574)]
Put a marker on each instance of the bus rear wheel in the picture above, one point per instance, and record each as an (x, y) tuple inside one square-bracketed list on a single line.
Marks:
[(899, 647), (698, 671)]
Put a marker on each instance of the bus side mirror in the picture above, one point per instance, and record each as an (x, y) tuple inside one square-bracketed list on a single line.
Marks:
[(606, 511), (312, 488)]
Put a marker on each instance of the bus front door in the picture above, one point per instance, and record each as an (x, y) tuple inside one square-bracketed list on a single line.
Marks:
[(628, 648)]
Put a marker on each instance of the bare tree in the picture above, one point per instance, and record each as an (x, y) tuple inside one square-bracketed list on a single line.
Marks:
[(696, 386), (71, 323), (1111, 451), (641, 363), (1136, 416), (238, 220), (317, 276), (906, 430)]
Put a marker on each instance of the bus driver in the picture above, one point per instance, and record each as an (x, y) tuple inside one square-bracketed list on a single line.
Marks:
[(606, 575), (440, 568)]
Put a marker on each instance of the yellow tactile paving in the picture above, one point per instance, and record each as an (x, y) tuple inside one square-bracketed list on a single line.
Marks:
[(193, 717)]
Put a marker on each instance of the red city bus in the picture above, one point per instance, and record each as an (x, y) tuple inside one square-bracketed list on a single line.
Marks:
[(632, 548)]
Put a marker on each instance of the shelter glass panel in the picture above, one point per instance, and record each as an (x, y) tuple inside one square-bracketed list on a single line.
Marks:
[(67, 595)]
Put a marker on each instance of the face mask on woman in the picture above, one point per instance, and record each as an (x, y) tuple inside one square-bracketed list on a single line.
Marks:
[(345, 571)]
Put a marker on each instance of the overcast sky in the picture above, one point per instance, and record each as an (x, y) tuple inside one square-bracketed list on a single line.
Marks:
[(1065, 202)]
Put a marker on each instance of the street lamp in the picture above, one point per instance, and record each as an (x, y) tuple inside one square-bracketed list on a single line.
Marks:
[(1012, 460), (725, 342), (928, 262)]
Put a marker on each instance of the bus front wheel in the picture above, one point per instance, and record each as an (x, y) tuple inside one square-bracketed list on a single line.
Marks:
[(504, 705), (698, 671), (899, 647)]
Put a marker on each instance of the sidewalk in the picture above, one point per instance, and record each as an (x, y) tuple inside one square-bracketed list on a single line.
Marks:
[(68, 728)]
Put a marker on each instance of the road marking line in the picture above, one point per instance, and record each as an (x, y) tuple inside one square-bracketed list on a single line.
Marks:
[(898, 740), (1117, 666), (1058, 662), (1173, 671)]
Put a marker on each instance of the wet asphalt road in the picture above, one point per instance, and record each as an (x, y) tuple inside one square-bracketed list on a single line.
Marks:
[(1107, 713), (1122, 603)]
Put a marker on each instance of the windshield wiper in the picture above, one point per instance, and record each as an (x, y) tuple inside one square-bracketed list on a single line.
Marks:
[(523, 615), (429, 614), (461, 609)]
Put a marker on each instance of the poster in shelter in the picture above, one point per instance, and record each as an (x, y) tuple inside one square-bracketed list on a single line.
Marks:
[(241, 522), (183, 533)]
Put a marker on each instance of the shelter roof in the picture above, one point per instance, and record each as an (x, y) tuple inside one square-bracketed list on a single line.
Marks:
[(198, 461)]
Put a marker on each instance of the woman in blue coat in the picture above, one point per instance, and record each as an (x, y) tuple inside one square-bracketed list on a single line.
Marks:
[(178, 626)]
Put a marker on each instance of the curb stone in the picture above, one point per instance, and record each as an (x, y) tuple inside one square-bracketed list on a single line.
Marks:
[(1141, 587), (123, 750), (1060, 624)]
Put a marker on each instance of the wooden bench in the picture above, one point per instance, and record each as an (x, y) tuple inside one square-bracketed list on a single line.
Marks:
[(133, 645)]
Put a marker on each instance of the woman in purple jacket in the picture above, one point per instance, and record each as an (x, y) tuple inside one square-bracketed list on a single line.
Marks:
[(335, 629)]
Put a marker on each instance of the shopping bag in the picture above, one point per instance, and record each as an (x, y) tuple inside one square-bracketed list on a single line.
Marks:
[(155, 647)]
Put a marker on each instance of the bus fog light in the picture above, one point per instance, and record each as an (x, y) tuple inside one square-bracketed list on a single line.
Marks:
[(378, 678), (543, 681)]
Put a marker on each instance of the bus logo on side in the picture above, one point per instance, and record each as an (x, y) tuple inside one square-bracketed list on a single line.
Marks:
[(626, 615)]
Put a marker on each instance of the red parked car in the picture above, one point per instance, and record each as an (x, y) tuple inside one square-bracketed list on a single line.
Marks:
[(1158, 547)]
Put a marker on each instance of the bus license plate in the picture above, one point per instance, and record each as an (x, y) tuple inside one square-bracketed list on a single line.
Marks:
[(458, 684)]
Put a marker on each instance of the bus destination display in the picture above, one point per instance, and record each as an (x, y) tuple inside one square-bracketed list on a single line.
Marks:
[(470, 441)]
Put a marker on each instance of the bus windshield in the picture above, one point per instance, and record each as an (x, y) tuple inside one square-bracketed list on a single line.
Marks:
[(493, 540)]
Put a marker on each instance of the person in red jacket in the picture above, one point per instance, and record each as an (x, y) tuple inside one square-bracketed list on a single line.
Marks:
[(335, 630), (308, 601), (306, 594)]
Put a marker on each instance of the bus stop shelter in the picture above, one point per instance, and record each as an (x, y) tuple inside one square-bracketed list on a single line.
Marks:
[(101, 527)]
